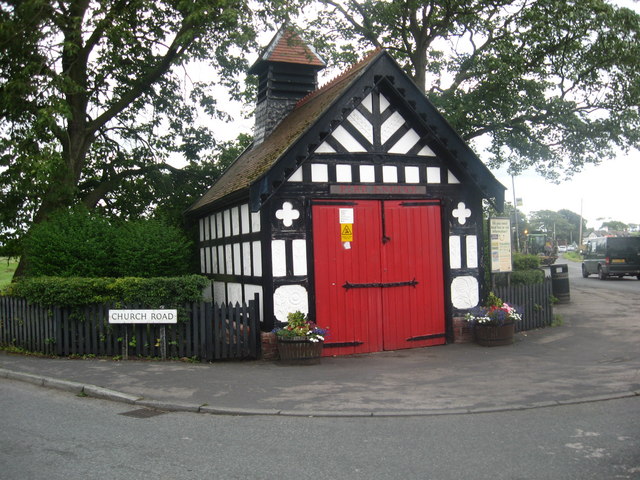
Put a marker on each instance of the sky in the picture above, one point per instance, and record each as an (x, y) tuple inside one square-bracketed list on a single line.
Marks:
[(604, 192)]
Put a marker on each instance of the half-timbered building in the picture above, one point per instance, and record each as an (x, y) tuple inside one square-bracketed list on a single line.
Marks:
[(357, 203)]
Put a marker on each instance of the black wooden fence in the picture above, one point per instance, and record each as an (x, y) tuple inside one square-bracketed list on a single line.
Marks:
[(204, 331), (534, 301)]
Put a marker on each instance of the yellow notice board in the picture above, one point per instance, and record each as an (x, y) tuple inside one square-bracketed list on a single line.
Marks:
[(500, 234)]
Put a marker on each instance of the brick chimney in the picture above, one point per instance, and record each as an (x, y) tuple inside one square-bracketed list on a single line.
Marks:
[(287, 70)]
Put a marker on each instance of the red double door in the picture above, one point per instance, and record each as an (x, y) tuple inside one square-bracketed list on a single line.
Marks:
[(378, 275)]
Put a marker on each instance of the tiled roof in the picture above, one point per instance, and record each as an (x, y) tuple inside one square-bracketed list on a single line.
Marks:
[(254, 162), (288, 47)]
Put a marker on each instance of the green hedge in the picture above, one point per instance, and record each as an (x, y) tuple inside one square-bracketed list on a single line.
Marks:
[(526, 277), (80, 243), (525, 262), (76, 291)]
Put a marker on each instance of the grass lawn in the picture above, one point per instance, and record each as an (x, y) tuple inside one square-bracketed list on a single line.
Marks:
[(7, 267)]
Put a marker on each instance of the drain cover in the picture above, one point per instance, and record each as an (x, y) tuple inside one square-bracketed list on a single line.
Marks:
[(142, 413)]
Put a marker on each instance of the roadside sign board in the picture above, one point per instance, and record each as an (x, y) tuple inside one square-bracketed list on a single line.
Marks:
[(143, 316), (500, 235)]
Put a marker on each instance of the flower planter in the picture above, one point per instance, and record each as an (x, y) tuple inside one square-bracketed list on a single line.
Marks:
[(299, 350), (494, 335)]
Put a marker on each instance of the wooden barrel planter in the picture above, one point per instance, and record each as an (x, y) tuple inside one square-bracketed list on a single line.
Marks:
[(299, 351), (494, 335)]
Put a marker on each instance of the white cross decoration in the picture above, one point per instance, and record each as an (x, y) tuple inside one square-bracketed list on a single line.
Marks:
[(287, 214), (461, 213)]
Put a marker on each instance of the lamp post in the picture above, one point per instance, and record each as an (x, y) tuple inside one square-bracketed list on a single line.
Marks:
[(515, 206)]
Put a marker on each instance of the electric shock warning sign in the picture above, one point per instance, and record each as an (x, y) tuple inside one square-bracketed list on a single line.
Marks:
[(346, 232)]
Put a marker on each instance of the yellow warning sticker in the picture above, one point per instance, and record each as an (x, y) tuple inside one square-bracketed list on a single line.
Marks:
[(346, 232)]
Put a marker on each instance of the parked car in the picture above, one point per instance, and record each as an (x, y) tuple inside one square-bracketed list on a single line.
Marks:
[(571, 248), (612, 256), (562, 248)]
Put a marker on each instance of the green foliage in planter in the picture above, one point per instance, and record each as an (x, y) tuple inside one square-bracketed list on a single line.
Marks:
[(75, 291), (79, 243)]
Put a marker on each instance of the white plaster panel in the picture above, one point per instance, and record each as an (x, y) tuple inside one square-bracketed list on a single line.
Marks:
[(472, 251), (244, 215), (207, 229), (325, 148), (207, 292), (368, 103), (451, 178), (319, 172), (384, 103), (367, 174), (207, 260), (227, 223), (235, 221), (296, 176), (246, 259), (412, 174), (464, 292), (212, 226), (255, 221), (433, 175), (249, 292), (219, 224), (219, 293), (347, 141), (257, 259), (391, 126), (287, 214), (221, 263), (289, 298), (406, 143), (228, 259), (201, 229), (461, 213), (343, 174), (203, 264), (214, 260), (455, 258), (299, 247), (234, 292), (278, 258), (363, 125), (237, 265), (389, 174), (426, 152)]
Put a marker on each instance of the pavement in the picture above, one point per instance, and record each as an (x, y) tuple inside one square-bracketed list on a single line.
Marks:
[(594, 355)]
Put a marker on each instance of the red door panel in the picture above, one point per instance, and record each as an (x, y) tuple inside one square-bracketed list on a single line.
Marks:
[(352, 315), (394, 264), (413, 315)]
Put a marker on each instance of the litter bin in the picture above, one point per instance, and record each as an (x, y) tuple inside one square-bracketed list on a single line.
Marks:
[(560, 282)]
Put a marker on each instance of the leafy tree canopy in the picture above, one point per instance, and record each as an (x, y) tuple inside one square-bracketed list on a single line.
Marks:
[(550, 84), (92, 98)]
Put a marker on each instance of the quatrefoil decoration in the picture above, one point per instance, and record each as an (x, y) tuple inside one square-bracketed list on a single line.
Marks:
[(461, 213), (287, 214)]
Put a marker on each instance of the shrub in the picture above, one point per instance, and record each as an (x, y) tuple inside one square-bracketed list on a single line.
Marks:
[(79, 243), (526, 277), (71, 243), (522, 261), (75, 291), (150, 248)]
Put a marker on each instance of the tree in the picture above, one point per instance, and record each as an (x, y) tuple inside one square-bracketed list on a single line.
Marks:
[(615, 226), (551, 84), (563, 225), (91, 97)]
